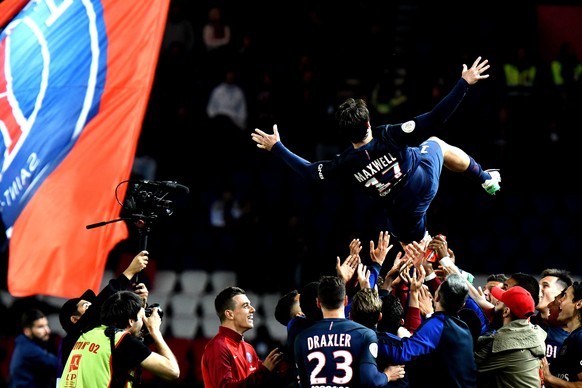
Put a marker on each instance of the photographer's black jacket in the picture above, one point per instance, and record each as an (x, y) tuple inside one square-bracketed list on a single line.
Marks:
[(90, 320)]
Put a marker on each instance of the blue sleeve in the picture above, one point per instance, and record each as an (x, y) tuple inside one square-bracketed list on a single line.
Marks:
[(301, 166), (471, 304), (41, 357), (370, 376), (445, 108), (423, 341), (375, 269)]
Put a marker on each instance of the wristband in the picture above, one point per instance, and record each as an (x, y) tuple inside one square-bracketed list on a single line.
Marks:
[(429, 277), (446, 261)]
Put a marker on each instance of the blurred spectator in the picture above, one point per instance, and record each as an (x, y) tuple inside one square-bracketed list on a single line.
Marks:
[(520, 113), (216, 37), (227, 113), (179, 32), (32, 365), (225, 212), (216, 32), (565, 93), (389, 97), (228, 103)]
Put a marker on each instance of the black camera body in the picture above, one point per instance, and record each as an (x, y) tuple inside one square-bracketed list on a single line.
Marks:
[(148, 199), (148, 313), (149, 310)]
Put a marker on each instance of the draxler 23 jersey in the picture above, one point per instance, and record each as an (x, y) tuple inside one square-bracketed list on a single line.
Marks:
[(337, 352)]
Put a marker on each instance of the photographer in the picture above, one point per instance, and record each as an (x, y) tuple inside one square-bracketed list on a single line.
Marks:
[(82, 314), (111, 354)]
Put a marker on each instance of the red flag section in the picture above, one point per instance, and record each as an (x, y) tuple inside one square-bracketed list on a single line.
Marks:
[(50, 250), (9, 8)]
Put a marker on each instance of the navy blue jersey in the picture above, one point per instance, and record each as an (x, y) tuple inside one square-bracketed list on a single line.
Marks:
[(384, 360), (404, 178), (338, 352), (554, 340), (568, 364), (294, 327)]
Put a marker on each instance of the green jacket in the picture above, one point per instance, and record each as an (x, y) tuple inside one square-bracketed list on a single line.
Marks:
[(511, 356), (89, 364)]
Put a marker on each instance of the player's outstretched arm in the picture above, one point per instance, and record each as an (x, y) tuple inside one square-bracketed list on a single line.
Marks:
[(264, 140)]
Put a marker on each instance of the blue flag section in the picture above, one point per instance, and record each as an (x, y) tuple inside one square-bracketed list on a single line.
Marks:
[(45, 110)]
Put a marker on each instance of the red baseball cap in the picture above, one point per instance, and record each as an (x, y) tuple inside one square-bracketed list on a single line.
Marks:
[(518, 299)]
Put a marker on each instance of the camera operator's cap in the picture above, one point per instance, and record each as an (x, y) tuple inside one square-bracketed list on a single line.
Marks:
[(518, 299), (70, 307)]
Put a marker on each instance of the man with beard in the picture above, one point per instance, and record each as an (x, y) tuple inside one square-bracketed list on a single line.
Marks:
[(32, 365), (510, 357)]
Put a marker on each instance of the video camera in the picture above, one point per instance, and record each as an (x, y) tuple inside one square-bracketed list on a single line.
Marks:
[(147, 198)]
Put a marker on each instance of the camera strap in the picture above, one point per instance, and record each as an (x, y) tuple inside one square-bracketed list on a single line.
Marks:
[(110, 333)]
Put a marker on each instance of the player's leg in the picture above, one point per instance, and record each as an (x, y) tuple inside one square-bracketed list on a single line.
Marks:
[(457, 160)]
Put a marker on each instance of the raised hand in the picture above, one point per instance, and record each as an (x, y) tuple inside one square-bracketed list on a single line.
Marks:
[(355, 247), (347, 269), (378, 254), (363, 276), (475, 73), (264, 140)]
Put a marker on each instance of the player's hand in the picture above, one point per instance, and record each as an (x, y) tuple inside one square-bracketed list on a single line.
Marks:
[(378, 254), (475, 73), (264, 140), (273, 359)]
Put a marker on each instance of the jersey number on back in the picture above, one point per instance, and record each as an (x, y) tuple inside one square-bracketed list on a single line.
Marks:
[(345, 365)]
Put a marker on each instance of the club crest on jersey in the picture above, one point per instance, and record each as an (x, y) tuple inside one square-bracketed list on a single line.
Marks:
[(53, 66)]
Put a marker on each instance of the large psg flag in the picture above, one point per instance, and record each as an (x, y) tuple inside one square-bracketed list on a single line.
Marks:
[(75, 78)]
